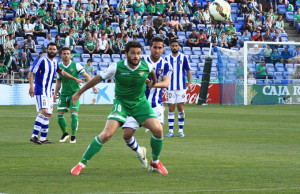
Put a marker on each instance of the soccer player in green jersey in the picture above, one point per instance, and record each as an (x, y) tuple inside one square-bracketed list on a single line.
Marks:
[(130, 100), (69, 87)]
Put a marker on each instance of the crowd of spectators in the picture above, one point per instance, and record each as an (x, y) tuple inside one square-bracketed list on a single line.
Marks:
[(104, 27)]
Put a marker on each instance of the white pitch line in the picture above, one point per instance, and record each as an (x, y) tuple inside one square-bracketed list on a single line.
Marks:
[(208, 190)]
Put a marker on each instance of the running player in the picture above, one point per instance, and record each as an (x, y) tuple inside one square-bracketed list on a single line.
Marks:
[(130, 77), (44, 71), (154, 95), (176, 93), (69, 88)]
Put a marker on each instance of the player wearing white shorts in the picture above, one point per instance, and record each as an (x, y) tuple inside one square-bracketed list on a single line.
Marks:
[(44, 71), (163, 72), (176, 93)]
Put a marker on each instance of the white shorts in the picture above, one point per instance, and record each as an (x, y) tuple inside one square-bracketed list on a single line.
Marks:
[(133, 124), (44, 102), (175, 96)]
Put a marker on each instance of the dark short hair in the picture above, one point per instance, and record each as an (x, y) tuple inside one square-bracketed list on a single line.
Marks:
[(156, 39), (65, 49), (89, 60), (174, 40), (51, 44), (41, 53), (132, 44)]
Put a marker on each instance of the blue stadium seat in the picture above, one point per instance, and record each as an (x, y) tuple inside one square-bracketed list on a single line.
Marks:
[(286, 75), (103, 66), (114, 3), (123, 56), (238, 27), (115, 25), (106, 58), (167, 50), (96, 58), (281, 9), (38, 48), (196, 51), (187, 51), (54, 32), (85, 57), (195, 59), (188, 33), (116, 57), (289, 16), (9, 15), (79, 49), (201, 26), (76, 59), (40, 40), (199, 74)]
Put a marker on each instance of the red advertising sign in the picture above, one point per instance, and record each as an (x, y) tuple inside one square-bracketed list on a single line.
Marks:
[(192, 96)]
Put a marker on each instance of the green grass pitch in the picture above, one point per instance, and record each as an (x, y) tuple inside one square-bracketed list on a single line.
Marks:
[(227, 149)]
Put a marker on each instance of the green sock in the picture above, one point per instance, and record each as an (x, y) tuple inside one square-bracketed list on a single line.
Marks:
[(93, 149), (156, 145), (74, 123), (62, 122)]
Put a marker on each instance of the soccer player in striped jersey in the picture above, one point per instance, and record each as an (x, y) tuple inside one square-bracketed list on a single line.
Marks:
[(44, 71), (69, 88), (176, 93), (163, 72), (130, 77)]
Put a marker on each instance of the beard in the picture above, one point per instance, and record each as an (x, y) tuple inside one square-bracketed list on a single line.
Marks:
[(130, 61), (51, 55), (175, 51)]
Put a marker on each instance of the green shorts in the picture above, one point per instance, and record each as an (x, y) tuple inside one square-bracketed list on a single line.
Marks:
[(65, 102), (141, 113)]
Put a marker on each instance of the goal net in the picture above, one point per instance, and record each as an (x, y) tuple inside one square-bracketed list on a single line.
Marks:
[(260, 73)]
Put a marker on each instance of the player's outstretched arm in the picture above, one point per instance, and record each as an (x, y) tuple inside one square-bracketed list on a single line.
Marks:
[(68, 76), (87, 86), (57, 88), (88, 78), (153, 78), (164, 83), (31, 88)]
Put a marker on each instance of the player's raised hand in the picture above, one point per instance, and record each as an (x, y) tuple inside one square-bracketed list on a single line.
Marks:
[(79, 81), (75, 97), (95, 90), (31, 92)]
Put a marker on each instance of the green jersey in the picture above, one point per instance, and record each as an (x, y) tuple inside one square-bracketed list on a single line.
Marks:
[(70, 87), (151, 9), (140, 8), (90, 45), (48, 20), (129, 83), (14, 5), (160, 8), (3, 69), (41, 12), (259, 68)]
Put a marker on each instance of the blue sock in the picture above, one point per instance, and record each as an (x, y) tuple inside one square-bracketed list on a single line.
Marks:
[(37, 125), (181, 117), (132, 143), (45, 128), (171, 118)]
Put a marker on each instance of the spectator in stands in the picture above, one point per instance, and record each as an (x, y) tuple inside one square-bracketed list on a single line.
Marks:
[(70, 12), (149, 36), (32, 11), (206, 16), (249, 25), (163, 35), (256, 55), (258, 24), (14, 6), (186, 24), (277, 38), (198, 18), (220, 29), (47, 41), (8, 48), (252, 15), (261, 70), (89, 46), (122, 6), (246, 37), (211, 30), (121, 45), (257, 36), (103, 6), (149, 20), (231, 29), (172, 35), (112, 14), (10, 27), (102, 46), (113, 46), (69, 42), (279, 24), (77, 5), (41, 12), (28, 29), (158, 23), (166, 22), (214, 40), (243, 10), (64, 27), (174, 24), (151, 9), (48, 21), (30, 43), (297, 20), (160, 7), (109, 29), (230, 40), (296, 55), (255, 6), (251, 79), (39, 29), (268, 24), (57, 21), (2, 11), (193, 39), (129, 31), (23, 66), (222, 40), (15, 57), (202, 39), (286, 56), (267, 54), (296, 75), (267, 36), (61, 11), (171, 9), (275, 58), (139, 7), (239, 71), (144, 29), (3, 71), (81, 20), (89, 68), (21, 10), (271, 14), (195, 7), (6, 6), (179, 10), (187, 6), (59, 42)]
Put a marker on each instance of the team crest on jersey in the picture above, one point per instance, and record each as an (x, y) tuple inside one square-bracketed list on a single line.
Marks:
[(160, 71), (141, 73), (180, 62), (71, 69)]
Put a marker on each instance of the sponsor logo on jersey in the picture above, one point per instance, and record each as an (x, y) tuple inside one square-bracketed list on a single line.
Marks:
[(125, 73)]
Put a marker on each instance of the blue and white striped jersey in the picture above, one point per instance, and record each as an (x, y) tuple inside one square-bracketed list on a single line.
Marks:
[(162, 68), (44, 71), (180, 66)]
